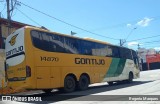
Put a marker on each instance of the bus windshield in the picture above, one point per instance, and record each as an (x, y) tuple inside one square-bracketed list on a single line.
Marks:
[(15, 51)]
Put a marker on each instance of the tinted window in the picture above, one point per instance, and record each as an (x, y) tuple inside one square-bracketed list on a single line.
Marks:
[(105, 50), (134, 57), (72, 45), (100, 50), (37, 39), (115, 51), (125, 53), (87, 47), (57, 43), (134, 54), (47, 41)]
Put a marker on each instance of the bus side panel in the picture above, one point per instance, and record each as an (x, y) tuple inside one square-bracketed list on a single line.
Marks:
[(56, 73), (113, 67), (62, 64), (128, 67), (124, 66), (116, 68), (43, 77)]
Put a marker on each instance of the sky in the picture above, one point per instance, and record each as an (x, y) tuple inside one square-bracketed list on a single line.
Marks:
[(133, 21)]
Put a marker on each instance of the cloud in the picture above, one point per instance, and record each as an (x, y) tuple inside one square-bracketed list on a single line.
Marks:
[(132, 43), (144, 22), (129, 25), (157, 48)]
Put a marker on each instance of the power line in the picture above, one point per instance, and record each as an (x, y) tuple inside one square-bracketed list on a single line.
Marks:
[(123, 41), (151, 42), (130, 33), (144, 38), (13, 7), (146, 44), (13, 14), (66, 22), (124, 24), (4, 7), (149, 46), (28, 17), (1, 15)]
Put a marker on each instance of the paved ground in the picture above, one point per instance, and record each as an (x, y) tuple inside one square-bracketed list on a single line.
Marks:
[(148, 84)]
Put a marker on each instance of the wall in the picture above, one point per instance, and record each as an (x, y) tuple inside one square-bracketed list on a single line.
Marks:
[(2, 72), (4, 33), (5, 30)]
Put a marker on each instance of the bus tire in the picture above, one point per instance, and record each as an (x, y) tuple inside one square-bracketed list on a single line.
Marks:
[(83, 82), (47, 90), (130, 77), (69, 84), (110, 83)]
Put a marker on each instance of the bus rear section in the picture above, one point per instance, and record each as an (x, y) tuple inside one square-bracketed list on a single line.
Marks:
[(17, 71)]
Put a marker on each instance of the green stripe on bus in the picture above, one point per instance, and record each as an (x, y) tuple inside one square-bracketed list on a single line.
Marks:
[(113, 67), (116, 67), (120, 67)]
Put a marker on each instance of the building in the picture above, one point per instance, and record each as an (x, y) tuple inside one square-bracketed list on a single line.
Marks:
[(142, 54), (153, 61), (4, 32)]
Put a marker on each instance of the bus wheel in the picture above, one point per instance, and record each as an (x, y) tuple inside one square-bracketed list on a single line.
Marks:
[(130, 78), (47, 90), (83, 82), (69, 84), (110, 83)]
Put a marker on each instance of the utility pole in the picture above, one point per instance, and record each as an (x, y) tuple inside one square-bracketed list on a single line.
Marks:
[(138, 46), (8, 17), (122, 41), (9, 12)]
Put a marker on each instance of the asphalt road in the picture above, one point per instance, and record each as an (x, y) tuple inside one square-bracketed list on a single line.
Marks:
[(141, 91)]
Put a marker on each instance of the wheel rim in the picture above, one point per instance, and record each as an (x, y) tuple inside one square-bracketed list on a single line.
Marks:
[(70, 84), (83, 83)]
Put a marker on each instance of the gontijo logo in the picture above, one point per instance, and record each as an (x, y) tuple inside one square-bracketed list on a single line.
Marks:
[(13, 40), (15, 50)]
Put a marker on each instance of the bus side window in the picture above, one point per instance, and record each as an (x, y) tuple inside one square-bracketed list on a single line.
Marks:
[(72, 45), (125, 53), (57, 43), (37, 39), (128, 54), (48, 42), (115, 52), (87, 47), (100, 50), (45, 42), (134, 57), (106, 50)]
